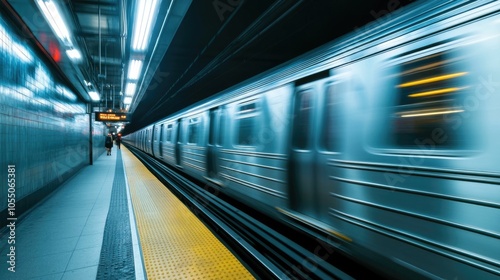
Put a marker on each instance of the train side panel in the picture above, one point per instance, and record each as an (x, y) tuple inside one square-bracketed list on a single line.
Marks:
[(167, 146), (416, 180), (193, 151), (253, 154), (148, 139)]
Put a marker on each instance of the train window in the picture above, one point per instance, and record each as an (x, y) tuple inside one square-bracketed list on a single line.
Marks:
[(246, 121), (302, 122), (193, 128), (156, 134), (428, 91), (331, 120), (169, 133)]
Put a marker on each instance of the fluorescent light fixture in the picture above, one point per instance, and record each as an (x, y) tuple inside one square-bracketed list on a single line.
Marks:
[(53, 16), (143, 24), (134, 69), (94, 95), (127, 100), (433, 79), (130, 89), (431, 113), (74, 54)]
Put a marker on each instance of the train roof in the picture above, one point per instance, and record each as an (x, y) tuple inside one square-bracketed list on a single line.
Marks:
[(355, 46)]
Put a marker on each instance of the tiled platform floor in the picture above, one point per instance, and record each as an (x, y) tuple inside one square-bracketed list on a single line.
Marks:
[(61, 237)]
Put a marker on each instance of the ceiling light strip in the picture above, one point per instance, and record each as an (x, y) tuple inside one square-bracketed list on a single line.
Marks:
[(53, 16), (130, 89), (143, 24), (134, 69), (94, 95)]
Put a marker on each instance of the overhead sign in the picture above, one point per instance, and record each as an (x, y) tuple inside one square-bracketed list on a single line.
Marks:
[(111, 117)]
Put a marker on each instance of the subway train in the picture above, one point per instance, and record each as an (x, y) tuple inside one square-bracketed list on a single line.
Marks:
[(386, 139)]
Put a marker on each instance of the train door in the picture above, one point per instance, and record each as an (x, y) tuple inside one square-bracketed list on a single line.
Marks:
[(161, 141), (155, 138), (302, 157), (329, 130), (307, 192), (141, 139), (147, 141), (178, 143), (212, 147)]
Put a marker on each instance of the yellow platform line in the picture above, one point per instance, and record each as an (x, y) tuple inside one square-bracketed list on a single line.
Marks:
[(175, 244)]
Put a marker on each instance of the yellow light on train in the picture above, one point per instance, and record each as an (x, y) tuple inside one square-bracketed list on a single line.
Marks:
[(435, 92), (423, 114), (433, 79)]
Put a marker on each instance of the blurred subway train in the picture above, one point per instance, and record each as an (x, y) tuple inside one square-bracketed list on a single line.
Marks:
[(387, 139)]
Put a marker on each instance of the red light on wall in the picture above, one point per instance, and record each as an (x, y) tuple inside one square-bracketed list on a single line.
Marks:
[(54, 51)]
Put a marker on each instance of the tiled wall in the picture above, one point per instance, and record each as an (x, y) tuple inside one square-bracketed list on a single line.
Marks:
[(44, 127)]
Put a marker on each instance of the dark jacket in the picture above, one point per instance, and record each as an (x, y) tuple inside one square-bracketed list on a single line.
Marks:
[(109, 142)]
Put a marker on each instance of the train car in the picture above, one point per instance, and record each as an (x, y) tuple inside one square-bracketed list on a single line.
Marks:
[(386, 139)]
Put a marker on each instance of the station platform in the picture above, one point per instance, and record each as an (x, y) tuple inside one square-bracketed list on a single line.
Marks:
[(114, 220)]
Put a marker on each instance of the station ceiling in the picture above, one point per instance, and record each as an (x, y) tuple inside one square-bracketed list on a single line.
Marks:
[(198, 47)]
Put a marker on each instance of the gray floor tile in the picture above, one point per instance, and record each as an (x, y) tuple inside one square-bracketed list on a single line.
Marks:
[(89, 241), (84, 258), (81, 274), (36, 248), (29, 267)]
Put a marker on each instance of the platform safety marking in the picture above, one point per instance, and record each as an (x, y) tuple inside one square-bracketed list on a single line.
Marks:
[(175, 244)]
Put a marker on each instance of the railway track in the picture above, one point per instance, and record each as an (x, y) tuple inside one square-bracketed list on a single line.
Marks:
[(268, 248)]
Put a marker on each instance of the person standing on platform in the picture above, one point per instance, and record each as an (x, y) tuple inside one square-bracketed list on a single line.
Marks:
[(118, 140), (109, 143)]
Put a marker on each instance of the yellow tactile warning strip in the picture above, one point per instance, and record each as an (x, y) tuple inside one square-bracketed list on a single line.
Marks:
[(175, 244)]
